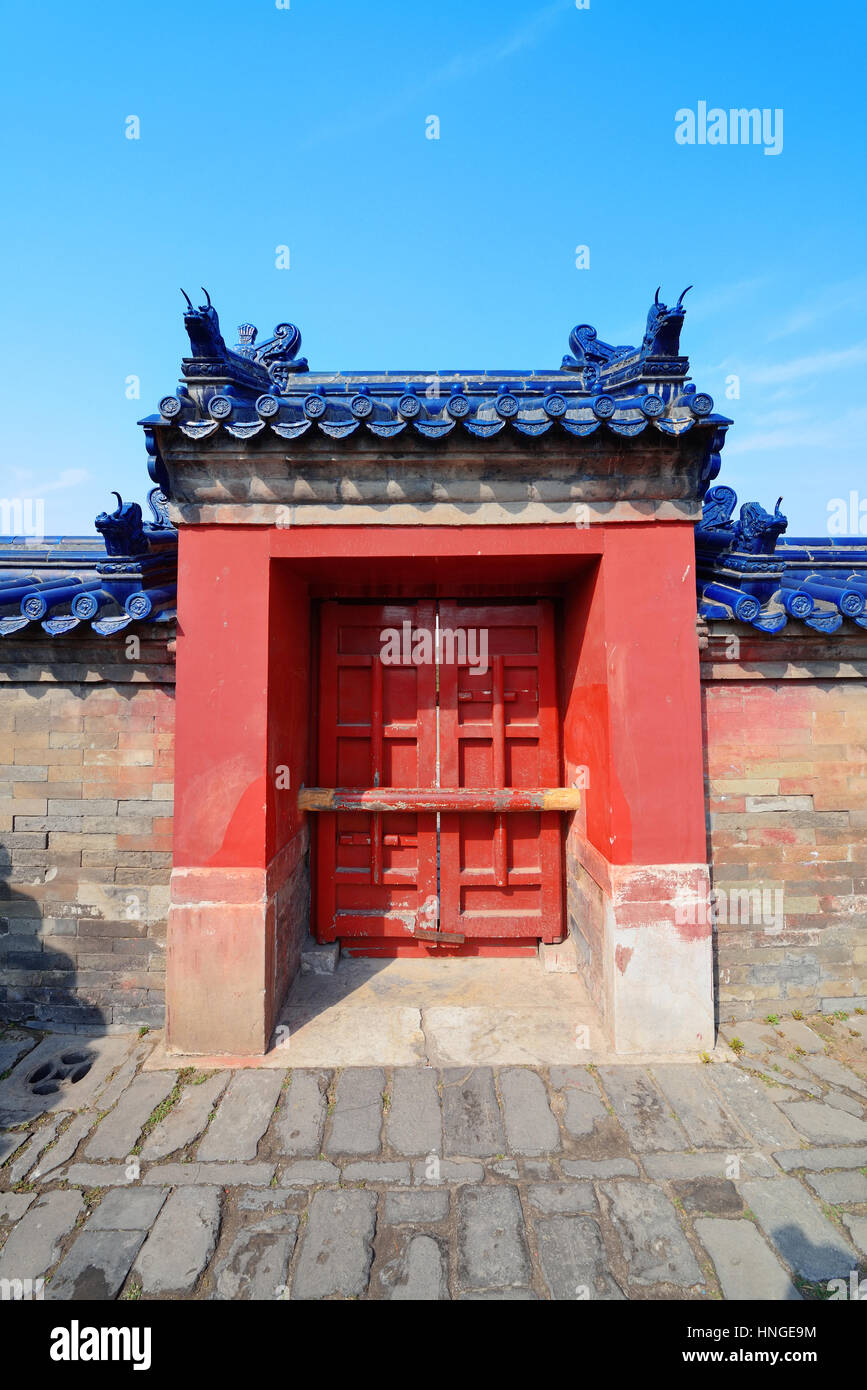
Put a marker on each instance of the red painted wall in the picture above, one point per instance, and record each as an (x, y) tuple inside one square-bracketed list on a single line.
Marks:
[(289, 690), (222, 685), (654, 707), (630, 700), (584, 704)]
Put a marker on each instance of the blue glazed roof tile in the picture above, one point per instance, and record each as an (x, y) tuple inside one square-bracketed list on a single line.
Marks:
[(746, 572), (125, 574), (250, 390)]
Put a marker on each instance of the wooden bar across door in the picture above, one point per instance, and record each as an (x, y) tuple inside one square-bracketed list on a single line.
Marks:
[(497, 799), (439, 815)]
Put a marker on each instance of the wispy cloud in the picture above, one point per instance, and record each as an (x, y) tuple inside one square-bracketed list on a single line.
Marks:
[(776, 419), (28, 481), (816, 364), (463, 66), (795, 369), (839, 435), (832, 299), (711, 303), (69, 477), (523, 37)]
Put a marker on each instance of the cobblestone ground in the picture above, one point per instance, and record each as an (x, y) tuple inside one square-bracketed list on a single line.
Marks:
[(740, 1179)]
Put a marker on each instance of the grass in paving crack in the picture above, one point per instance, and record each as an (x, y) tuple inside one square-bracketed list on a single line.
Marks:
[(59, 1133), (813, 1291), (797, 1014), (331, 1095), (737, 1046), (16, 1129), (762, 1076), (210, 1120), (91, 1197), (772, 1018), (11, 1159), (131, 1292), (162, 1110)]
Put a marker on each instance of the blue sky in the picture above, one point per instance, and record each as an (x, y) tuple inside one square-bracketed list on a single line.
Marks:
[(305, 126)]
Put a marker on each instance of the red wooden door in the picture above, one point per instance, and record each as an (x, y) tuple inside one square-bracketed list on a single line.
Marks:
[(377, 874), (473, 712)]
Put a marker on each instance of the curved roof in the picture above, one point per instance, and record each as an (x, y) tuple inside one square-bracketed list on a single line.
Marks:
[(746, 572), (125, 574), (250, 390)]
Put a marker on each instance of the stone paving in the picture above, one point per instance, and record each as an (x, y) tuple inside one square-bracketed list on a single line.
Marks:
[(739, 1178)]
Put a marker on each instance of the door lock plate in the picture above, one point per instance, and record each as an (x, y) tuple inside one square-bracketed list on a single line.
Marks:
[(439, 938)]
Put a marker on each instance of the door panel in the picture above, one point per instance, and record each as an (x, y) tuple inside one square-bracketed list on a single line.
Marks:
[(377, 728), (500, 873), (386, 725)]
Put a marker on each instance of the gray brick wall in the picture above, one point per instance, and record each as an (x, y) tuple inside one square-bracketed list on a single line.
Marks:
[(86, 785), (786, 771)]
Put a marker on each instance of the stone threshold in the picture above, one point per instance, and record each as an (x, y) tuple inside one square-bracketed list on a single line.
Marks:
[(161, 1059), (432, 1013)]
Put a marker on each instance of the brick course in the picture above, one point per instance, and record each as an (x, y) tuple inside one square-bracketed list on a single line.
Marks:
[(86, 741), (786, 758)]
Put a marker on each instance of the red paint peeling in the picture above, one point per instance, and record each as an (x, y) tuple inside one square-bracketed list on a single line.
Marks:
[(622, 957), (693, 931)]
